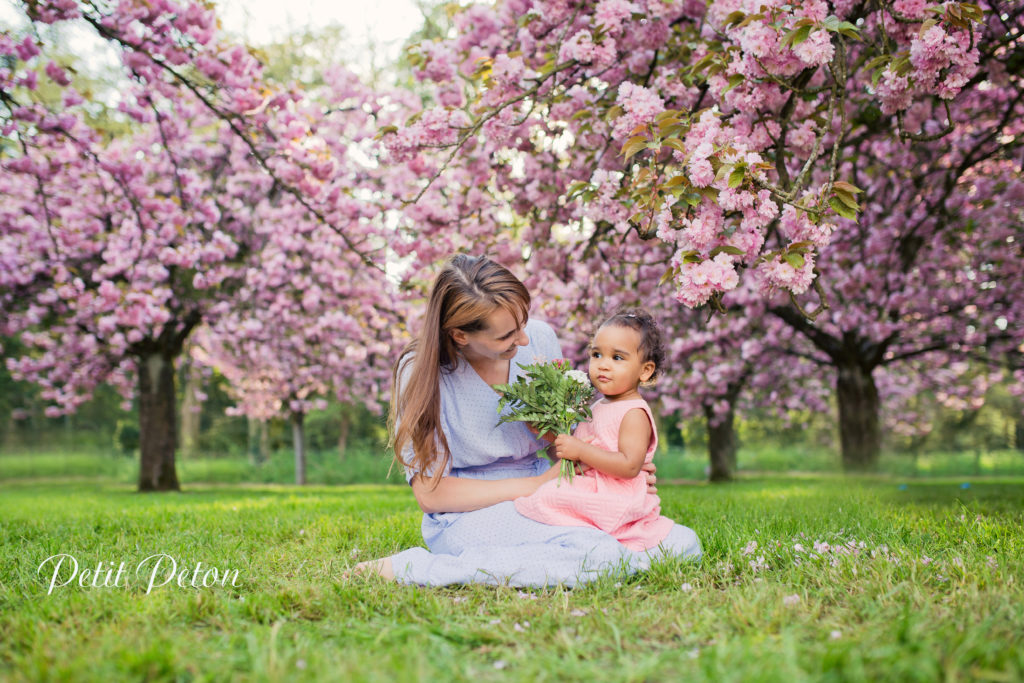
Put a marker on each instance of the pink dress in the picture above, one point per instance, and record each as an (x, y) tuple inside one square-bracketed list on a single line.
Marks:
[(620, 507)]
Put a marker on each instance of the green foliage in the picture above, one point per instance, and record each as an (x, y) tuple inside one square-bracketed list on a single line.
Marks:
[(549, 396), (126, 437), (91, 426), (934, 594), (362, 429)]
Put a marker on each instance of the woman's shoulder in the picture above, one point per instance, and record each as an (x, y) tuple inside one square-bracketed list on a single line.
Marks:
[(404, 365), (538, 326), (543, 337)]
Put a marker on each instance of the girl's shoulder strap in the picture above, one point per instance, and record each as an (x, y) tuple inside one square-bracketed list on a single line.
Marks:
[(620, 408)]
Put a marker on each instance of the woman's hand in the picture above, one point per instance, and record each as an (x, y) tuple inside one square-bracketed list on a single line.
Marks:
[(652, 479), (549, 474), (547, 436), (554, 472)]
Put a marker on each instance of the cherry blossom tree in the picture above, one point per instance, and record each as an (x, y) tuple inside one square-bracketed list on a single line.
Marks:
[(746, 137), (310, 320), (113, 251)]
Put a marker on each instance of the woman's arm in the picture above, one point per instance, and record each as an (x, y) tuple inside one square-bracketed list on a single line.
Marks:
[(455, 494), (626, 463)]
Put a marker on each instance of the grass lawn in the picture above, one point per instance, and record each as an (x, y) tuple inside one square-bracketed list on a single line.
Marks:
[(366, 464), (804, 577)]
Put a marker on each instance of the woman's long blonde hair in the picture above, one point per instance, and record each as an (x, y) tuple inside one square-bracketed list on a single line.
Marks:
[(467, 290)]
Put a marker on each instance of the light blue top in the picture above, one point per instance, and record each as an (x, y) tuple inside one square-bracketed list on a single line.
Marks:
[(480, 447)]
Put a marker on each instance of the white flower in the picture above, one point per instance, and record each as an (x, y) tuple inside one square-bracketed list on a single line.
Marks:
[(578, 376)]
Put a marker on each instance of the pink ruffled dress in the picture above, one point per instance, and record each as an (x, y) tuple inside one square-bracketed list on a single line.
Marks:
[(620, 507)]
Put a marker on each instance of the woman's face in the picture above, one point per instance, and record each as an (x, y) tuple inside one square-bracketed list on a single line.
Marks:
[(499, 340)]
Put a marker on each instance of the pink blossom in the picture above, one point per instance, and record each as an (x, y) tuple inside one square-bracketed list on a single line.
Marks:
[(26, 49), (581, 47), (508, 70), (779, 273), (57, 74), (816, 50), (894, 92), (640, 105), (701, 172), (612, 13), (759, 40), (438, 62), (797, 226), (815, 10)]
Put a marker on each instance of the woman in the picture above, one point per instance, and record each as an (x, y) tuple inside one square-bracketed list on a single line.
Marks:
[(464, 468)]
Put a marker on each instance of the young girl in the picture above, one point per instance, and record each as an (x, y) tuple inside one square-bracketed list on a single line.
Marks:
[(612, 494)]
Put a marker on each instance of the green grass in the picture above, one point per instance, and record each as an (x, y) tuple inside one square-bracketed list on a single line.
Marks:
[(322, 467), (369, 465), (930, 589)]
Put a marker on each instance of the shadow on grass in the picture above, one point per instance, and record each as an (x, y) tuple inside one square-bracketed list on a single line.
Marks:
[(1004, 496)]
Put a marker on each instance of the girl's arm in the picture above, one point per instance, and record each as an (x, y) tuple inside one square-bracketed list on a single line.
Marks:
[(454, 494), (634, 440)]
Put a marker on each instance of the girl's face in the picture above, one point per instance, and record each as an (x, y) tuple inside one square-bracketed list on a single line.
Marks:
[(499, 340), (616, 366)]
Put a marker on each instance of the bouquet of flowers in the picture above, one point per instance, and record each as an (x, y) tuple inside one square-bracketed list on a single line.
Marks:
[(552, 397)]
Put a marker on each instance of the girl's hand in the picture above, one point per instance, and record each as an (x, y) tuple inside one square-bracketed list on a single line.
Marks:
[(652, 479), (568, 447)]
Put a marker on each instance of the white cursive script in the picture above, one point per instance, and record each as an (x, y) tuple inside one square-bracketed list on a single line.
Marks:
[(161, 569)]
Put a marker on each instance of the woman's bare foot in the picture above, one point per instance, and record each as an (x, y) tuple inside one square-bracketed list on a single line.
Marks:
[(381, 567)]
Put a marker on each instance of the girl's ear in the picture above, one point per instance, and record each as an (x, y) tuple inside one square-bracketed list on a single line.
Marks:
[(647, 371)]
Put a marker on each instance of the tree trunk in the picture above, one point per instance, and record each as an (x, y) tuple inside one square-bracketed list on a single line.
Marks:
[(190, 407), (264, 441), (299, 443), (721, 445), (860, 434), (344, 428), (255, 447), (156, 423), (1019, 434)]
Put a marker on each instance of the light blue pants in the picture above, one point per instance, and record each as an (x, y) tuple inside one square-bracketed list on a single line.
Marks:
[(497, 545)]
